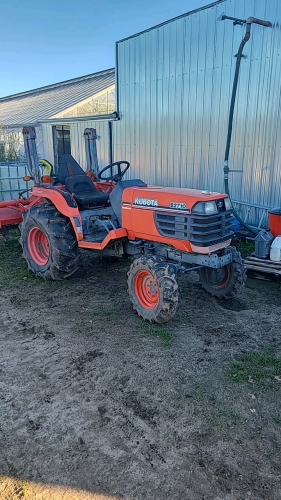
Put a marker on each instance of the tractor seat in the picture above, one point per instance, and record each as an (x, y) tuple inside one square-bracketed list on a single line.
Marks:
[(78, 183), (68, 167), (84, 191)]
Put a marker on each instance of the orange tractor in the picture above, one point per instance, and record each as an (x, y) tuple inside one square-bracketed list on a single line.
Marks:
[(166, 230)]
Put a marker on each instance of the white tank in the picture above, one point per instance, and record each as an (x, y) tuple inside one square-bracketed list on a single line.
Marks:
[(275, 249)]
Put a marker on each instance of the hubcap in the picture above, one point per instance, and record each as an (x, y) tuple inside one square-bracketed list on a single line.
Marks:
[(146, 290), (219, 278), (38, 246)]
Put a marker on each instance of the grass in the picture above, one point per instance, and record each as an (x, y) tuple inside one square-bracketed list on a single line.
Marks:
[(220, 416), (159, 331), (12, 267), (20, 301), (244, 246), (217, 414), (83, 327), (87, 320), (104, 313), (260, 369)]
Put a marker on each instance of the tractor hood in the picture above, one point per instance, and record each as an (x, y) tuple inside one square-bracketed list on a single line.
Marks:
[(188, 219), (178, 199)]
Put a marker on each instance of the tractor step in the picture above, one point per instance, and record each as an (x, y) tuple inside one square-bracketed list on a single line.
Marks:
[(96, 238), (102, 239), (253, 263)]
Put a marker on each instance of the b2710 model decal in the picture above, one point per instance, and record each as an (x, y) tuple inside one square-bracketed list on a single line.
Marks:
[(179, 206)]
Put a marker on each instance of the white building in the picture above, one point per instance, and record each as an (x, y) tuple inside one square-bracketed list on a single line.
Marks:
[(60, 113), (173, 91)]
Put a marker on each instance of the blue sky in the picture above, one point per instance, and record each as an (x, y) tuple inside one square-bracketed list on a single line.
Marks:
[(48, 41)]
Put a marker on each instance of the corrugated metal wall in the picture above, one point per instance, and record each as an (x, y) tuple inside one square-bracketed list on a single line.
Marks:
[(77, 141), (11, 174), (174, 84)]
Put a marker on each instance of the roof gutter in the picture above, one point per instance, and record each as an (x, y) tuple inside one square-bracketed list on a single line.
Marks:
[(72, 119), (109, 117)]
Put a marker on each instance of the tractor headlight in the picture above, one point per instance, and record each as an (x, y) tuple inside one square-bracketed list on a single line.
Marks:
[(207, 208), (227, 204)]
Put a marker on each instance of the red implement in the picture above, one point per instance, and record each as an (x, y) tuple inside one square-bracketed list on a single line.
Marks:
[(11, 211)]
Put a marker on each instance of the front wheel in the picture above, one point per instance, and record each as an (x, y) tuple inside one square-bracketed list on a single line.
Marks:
[(153, 289), (224, 282)]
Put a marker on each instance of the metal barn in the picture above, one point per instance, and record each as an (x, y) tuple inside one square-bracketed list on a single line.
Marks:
[(169, 113), (174, 84)]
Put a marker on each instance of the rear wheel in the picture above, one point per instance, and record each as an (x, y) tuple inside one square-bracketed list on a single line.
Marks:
[(224, 282), (153, 289), (48, 242)]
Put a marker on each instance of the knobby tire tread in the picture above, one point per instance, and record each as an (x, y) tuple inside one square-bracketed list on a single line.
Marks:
[(64, 253), (168, 289), (237, 280)]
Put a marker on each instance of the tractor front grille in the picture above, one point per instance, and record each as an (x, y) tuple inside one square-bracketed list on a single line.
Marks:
[(173, 226), (206, 230), (200, 230)]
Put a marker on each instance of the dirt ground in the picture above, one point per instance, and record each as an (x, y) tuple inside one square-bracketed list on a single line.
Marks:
[(97, 404)]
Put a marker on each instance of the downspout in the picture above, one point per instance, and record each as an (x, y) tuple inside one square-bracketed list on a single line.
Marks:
[(248, 22), (110, 145)]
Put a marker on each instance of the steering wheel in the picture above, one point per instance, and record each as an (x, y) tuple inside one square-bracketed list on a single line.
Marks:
[(120, 173), (21, 193)]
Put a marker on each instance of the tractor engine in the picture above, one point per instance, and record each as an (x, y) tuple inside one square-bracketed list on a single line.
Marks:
[(190, 220)]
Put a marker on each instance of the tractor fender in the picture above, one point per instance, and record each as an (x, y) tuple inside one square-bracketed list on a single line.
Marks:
[(64, 203)]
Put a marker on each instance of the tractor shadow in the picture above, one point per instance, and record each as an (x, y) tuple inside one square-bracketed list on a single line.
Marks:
[(233, 304)]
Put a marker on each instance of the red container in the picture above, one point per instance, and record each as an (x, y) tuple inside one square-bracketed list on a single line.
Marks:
[(274, 220)]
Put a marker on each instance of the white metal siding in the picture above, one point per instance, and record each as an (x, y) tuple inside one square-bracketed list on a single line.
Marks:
[(77, 141), (174, 85), (11, 174)]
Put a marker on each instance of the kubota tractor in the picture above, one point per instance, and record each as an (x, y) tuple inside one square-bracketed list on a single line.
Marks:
[(166, 230)]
